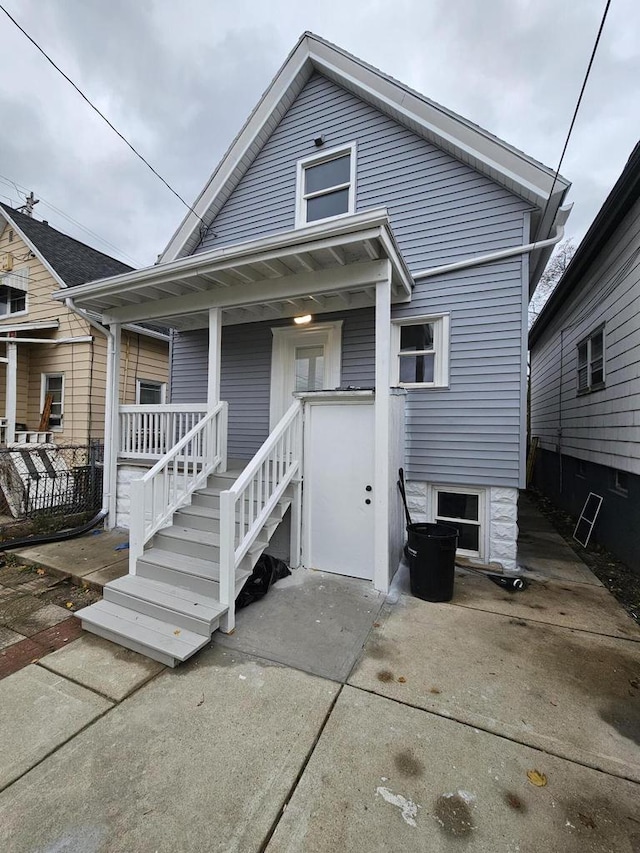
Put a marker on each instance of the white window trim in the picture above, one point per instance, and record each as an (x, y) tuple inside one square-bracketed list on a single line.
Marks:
[(21, 273), (43, 394), (316, 160), (483, 515), (161, 385), (441, 344), (285, 339), (587, 340)]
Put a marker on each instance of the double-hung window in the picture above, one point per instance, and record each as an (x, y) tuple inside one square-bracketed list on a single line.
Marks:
[(421, 352), (13, 293), (52, 385), (326, 185), (591, 362)]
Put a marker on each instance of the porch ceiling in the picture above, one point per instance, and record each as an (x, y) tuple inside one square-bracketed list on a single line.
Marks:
[(318, 269)]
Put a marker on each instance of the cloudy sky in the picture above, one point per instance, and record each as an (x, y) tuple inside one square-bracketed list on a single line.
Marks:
[(179, 78)]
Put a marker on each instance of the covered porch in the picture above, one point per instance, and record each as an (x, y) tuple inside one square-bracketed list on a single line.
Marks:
[(325, 271)]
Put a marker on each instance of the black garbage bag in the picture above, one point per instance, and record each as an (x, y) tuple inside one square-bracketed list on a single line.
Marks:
[(266, 572)]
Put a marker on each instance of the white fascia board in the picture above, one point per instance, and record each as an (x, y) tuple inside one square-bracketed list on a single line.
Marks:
[(29, 327), (33, 249), (228, 255), (284, 79), (471, 141), (150, 333)]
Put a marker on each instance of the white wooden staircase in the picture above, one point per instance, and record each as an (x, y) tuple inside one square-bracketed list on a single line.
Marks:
[(183, 587), (170, 607)]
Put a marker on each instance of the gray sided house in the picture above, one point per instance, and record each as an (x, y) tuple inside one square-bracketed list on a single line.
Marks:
[(585, 374), (350, 296)]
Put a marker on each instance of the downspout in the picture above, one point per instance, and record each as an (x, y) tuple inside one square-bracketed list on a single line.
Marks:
[(107, 486), (479, 260)]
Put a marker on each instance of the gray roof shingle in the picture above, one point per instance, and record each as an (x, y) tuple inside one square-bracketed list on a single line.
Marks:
[(75, 262)]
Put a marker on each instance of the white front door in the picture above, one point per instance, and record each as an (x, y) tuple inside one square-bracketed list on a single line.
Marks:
[(303, 359), (338, 506)]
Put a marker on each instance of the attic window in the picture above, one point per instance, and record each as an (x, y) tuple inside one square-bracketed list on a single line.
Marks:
[(326, 185)]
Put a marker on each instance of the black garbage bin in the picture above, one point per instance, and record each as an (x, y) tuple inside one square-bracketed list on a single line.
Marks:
[(432, 555)]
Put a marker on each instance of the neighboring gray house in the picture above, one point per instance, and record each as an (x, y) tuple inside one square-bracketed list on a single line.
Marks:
[(585, 374), (349, 295)]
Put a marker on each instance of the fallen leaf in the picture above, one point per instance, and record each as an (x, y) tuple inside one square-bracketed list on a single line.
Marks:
[(200, 702), (376, 624), (553, 702), (537, 778), (35, 660), (69, 605), (402, 679), (40, 572), (177, 632)]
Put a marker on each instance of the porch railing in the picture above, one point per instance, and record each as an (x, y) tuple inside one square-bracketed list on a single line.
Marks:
[(148, 432), (166, 486), (246, 506)]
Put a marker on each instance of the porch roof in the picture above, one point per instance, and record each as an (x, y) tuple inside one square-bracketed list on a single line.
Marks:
[(324, 267)]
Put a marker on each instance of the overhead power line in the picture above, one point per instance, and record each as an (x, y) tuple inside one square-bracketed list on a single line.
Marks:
[(20, 190), (99, 112), (575, 113)]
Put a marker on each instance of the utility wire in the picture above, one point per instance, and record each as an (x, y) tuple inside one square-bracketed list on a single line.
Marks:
[(575, 115), (101, 114), (23, 190)]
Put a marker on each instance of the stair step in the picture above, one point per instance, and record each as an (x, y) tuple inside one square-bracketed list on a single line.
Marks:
[(162, 641), (202, 544), (198, 613), (201, 576), (208, 519)]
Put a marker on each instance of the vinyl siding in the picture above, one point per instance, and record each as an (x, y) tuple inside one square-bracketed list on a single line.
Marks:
[(441, 211), (246, 372), (602, 427), (83, 364)]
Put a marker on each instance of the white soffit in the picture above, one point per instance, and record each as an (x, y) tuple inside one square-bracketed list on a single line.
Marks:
[(464, 140)]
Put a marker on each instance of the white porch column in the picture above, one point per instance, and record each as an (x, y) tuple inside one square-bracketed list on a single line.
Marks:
[(112, 423), (381, 418), (215, 351), (11, 409)]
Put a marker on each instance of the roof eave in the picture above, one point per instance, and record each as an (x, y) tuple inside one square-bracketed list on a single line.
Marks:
[(470, 143), (623, 195)]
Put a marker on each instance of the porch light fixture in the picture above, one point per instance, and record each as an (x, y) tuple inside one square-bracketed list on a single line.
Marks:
[(301, 321)]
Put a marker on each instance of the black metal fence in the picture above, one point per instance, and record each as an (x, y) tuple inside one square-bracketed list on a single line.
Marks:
[(49, 484)]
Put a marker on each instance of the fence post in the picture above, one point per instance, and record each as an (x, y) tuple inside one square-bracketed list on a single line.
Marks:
[(227, 559)]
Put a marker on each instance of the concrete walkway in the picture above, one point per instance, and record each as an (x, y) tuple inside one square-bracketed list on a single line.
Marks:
[(335, 720)]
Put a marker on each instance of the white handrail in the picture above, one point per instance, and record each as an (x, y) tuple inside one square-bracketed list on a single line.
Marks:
[(246, 506), (166, 486), (148, 432)]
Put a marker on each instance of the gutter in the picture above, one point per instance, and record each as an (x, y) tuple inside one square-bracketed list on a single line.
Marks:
[(107, 486), (479, 260)]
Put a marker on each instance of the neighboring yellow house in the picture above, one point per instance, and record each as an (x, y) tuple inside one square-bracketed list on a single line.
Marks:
[(48, 350)]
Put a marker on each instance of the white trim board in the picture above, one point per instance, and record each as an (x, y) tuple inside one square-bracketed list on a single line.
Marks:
[(464, 140)]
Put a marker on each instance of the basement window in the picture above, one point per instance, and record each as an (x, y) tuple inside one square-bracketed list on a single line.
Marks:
[(464, 510), (591, 362), (326, 185)]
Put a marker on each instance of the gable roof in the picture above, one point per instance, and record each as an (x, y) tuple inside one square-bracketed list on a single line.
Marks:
[(464, 140), (70, 261), (625, 193)]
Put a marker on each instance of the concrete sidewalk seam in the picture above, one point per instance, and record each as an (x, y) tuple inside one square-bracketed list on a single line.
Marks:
[(481, 728), (269, 835), (553, 624), (42, 662)]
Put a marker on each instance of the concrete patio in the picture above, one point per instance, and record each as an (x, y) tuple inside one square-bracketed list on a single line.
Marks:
[(334, 719)]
